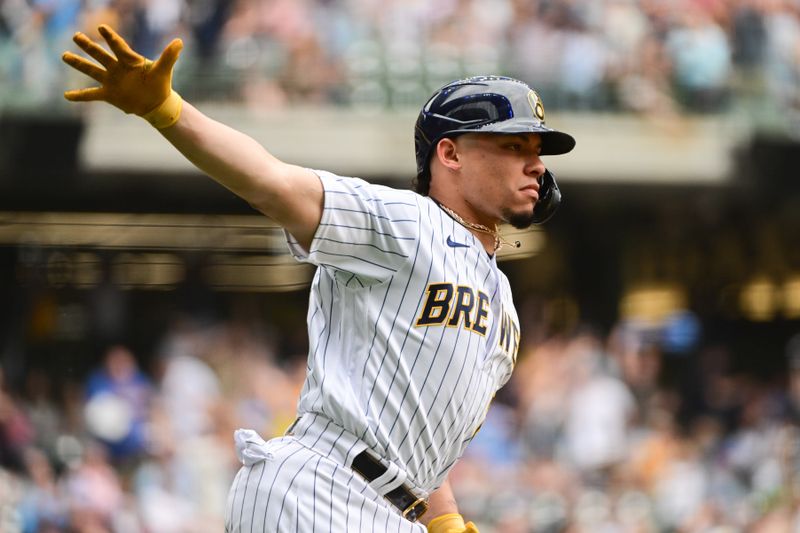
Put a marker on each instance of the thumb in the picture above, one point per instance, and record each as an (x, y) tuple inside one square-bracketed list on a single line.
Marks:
[(165, 63)]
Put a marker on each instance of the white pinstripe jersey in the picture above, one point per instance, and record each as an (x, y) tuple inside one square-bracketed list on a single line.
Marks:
[(412, 328)]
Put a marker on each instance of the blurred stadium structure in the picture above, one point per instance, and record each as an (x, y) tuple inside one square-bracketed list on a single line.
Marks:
[(148, 311)]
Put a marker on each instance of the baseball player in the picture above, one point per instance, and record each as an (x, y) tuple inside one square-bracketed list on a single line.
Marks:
[(411, 324)]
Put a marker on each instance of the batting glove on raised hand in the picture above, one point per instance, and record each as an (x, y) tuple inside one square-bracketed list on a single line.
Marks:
[(451, 523), (128, 80)]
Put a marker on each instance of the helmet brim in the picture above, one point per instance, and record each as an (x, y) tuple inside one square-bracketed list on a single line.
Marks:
[(554, 142)]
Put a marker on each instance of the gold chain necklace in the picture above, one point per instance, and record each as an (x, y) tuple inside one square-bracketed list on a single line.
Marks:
[(498, 240)]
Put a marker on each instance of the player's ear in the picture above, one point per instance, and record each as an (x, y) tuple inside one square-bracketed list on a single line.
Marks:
[(447, 154)]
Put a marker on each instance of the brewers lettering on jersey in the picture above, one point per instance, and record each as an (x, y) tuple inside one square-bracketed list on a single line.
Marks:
[(412, 327)]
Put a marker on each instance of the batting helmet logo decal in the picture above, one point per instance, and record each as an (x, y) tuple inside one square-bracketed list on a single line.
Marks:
[(536, 105)]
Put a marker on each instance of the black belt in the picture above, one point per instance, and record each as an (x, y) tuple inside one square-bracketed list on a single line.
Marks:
[(402, 498)]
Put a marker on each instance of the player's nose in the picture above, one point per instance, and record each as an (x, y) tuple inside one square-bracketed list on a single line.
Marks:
[(535, 167)]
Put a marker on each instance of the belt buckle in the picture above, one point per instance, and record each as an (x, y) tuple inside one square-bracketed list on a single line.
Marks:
[(412, 510)]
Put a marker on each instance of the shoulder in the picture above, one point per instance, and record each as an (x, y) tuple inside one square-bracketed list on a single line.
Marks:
[(335, 185)]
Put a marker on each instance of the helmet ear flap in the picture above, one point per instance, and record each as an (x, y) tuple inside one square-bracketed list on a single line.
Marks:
[(549, 198)]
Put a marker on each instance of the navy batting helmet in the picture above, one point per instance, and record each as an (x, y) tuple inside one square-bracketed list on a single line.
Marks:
[(489, 104)]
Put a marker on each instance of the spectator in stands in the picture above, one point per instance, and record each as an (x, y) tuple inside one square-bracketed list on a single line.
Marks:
[(44, 505), (118, 398), (16, 431), (701, 55), (599, 412), (94, 491)]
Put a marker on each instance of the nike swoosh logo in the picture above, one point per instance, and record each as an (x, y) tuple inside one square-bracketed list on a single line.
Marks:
[(453, 244)]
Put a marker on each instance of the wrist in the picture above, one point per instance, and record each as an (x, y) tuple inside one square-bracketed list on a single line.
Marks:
[(166, 113)]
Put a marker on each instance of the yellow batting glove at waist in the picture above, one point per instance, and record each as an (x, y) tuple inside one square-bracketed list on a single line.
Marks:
[(451, 523), (127, 79)]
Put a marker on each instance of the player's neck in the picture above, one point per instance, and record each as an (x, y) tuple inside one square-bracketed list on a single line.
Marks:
[(488, 236)]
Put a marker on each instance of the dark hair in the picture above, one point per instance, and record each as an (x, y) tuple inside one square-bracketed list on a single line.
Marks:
[(421, 184)]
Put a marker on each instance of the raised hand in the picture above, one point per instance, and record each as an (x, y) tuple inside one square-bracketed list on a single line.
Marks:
[(127, 79)]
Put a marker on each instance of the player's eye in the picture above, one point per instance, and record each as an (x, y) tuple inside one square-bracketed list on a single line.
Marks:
[(514, 147)]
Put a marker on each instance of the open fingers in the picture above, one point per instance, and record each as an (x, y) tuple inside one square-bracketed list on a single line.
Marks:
[(90, 94), (94, 50), (85, 66), (118, 45), (169, 56)]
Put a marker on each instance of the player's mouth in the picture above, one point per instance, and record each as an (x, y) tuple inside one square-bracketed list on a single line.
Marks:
[(532, 191)]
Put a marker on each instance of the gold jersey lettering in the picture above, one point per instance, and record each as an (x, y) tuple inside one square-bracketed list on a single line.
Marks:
[(454, 306), (509, 335)]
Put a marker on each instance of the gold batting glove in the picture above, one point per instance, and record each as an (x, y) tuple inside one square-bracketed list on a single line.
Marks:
[(128, 80), (451, 523)]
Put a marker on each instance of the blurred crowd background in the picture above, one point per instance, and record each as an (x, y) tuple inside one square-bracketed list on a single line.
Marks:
[(648, 56), (607, 428), (621, 432)]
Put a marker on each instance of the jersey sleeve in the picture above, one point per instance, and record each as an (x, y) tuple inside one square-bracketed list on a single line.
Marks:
[(368, 231)]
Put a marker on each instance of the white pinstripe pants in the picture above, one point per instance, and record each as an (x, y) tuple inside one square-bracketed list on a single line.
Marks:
[(289, 487)]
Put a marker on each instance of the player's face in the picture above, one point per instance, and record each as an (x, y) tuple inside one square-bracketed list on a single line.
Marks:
[(501, 175)]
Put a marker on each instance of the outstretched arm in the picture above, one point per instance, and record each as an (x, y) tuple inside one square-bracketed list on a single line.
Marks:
[(289, 194)]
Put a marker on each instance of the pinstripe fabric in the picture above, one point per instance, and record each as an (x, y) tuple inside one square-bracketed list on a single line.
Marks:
[(392, 361), (300, 489)]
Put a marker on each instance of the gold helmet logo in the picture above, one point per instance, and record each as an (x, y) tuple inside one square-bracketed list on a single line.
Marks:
[(536, 105)]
